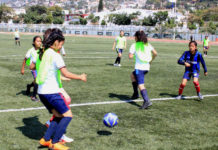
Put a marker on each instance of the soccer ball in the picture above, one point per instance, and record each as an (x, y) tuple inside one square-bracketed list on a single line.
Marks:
[(110, 120)]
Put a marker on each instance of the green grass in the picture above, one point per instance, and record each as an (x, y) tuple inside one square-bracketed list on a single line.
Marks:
[(177, 125)]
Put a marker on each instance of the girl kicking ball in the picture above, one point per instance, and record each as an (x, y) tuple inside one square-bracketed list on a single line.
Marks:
[(144, 54), (50, 68), (191, 59)]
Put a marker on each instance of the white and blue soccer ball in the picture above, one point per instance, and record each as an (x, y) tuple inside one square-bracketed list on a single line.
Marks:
[(110, 120)]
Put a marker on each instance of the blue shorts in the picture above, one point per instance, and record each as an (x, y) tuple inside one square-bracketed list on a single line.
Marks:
[(54, 101), (206, 47), (189, 75), (140, 75), (119, 50), (34, 73)]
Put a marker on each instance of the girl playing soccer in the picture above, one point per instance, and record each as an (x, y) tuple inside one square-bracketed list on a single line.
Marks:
[(50, 68), (37, 41), (191, 59), (144, 54), (66, 97), (120, 44)]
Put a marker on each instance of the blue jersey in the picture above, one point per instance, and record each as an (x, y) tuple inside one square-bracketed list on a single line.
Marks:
[(194, 60)]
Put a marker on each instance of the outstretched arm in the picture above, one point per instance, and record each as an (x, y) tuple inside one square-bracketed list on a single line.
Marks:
[(67, 74)]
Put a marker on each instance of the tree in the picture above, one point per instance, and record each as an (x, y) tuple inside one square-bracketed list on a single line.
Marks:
[(100, 6), (5, 13), (120, 19), (161, 16), (103, 22), (91, 16), (192, 26), (212, 28), (82, 21), (149, 21)]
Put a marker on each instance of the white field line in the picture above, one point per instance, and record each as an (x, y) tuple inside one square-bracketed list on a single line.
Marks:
[(107, 102)]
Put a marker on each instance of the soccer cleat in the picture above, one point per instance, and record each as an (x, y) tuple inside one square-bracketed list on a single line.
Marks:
[(35, 99), (58, 146), (115, 65), (146, 105), (200, 96), (45, 143), (179, 97), (28, 89), (65, 139)]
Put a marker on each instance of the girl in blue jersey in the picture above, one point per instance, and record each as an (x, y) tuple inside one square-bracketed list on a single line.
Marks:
[(37, 42), (191, 59), (48, 79), (144, 54)]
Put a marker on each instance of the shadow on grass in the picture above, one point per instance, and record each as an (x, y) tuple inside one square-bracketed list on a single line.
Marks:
[(32, 128), (110, 64), (104, 133), (167, 94), (23, 92), (123, 98)]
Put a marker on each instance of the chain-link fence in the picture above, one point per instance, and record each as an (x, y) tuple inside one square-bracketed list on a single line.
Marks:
[(152, 32)]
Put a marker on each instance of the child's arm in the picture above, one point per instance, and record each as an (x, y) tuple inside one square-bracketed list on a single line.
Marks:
[(203, 64), (125, 44), (67, 74), (64, 78), (181, 60), (23, 65), (32, 66), (154, 55)]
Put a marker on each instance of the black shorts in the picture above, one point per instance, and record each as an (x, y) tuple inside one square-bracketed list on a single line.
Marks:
[(16, 39)]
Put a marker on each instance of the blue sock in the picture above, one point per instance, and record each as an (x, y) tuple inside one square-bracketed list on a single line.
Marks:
[(145, 95), (61, 129), (51, 129)]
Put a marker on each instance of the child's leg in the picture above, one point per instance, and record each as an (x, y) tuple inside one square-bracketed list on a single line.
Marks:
[(135, 86), (182, 86), (197, 85), (119, 56)]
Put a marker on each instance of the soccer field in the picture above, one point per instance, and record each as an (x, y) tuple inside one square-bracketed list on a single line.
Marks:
[(170, 124)]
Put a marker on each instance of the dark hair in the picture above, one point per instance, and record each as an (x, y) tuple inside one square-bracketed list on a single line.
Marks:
[(49, 37), (141, 36), (34, 39), (195, 43)]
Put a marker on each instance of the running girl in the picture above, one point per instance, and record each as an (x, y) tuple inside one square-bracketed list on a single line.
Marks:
[(144, 54), (37, 41), (191, 59), (50, 68), (120, 44)]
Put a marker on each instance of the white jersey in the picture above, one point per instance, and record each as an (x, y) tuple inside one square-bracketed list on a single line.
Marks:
[(16, 34), (50, 85), (142, 58), (31, 53)]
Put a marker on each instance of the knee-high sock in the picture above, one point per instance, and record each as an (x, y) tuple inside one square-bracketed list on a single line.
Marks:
[(61, 129), (182, 86), (119, 60), (51, 129), (116, 61), (135, 88), (197, 86), (145, 95), (35, 90)]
